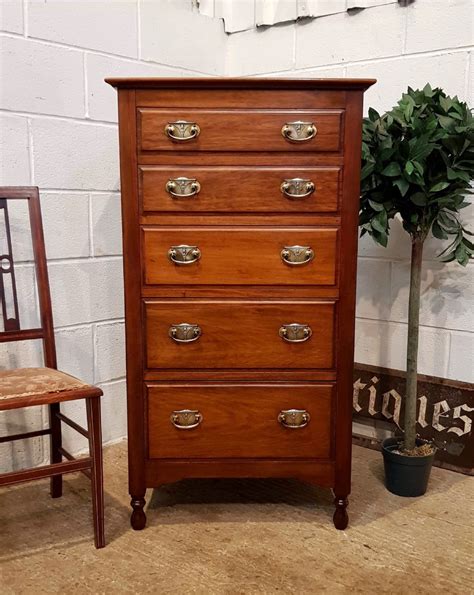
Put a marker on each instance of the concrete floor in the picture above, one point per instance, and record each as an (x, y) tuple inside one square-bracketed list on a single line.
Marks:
[(240, 537)]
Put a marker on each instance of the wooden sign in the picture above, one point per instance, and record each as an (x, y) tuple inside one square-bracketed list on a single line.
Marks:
[(445, 411)]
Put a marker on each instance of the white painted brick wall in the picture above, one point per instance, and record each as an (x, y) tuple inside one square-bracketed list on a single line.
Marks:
[(11, 16), (57, 91), (75, 155), (105, 26), (14, 150), (343, 37), (58, 131)]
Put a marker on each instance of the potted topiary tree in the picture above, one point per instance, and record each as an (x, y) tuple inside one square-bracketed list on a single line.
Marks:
[(417, 165)]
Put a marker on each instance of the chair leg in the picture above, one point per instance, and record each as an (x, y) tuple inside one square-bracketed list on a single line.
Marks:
[(56, 482), (97, 481)]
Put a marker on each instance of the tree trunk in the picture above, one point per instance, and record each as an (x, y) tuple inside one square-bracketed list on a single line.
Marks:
[(412, 343)]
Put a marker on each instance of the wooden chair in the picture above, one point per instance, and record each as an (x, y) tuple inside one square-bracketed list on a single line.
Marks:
[(45, 386)]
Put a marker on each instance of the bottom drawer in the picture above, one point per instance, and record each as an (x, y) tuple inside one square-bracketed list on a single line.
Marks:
[(244, 420)]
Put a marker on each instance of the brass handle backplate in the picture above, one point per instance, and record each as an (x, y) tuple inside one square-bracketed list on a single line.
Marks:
[(183, 187), (186, 419), (184, 254), (299, 132), (294, 418), (184, 332), (181, 130), (297, 255), (295, 333), (297, 188)]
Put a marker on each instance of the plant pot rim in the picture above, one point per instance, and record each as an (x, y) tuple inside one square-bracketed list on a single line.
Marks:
[(389, 444)]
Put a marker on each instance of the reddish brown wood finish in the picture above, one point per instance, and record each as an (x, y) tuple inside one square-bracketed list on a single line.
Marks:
[(237, 334), (239, 256), (239, 189), (239, 158), (239, 421), (91, 394), (236, 130)]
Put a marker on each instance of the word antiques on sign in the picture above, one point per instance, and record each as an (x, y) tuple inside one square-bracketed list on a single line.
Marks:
[(445, 411)]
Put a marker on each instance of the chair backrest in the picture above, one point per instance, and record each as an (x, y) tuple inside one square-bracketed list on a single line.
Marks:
[(10, 310)]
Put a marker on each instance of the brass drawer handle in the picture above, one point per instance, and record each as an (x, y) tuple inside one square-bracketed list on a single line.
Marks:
[(186, 419), (181, 130), (294, 418), (297, 255), (184, 332), (295, 333), (184, 254), (297, 188), (183, 187), (299, 132)]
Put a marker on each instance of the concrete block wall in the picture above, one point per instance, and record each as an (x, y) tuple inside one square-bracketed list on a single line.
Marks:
[(58, 131), (399, 44)]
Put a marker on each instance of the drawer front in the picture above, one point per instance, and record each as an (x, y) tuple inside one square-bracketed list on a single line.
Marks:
[(239, 256), (239, 421), (239, 334), (240, 189), (239, 130)]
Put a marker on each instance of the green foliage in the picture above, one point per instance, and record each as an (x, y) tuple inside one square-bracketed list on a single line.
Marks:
[(418, 161)]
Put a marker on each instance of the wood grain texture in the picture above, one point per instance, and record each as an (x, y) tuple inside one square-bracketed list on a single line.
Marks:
[(239, 130), (239, 189), (346, 311), (219, 83), (236, 98), (132, 283), (239, 421), (315, 471), (55, 470), (238, 256), (237, 334), (238, 292)]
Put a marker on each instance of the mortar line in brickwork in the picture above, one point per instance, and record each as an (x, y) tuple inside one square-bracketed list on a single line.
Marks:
[(405, 31), (72, 260), (381, 258), (80, 260), (102, 53), (91, 191), (25, 19), (39, 115), (86, 86), (139, 31), (468, 70), (30, 151), (84, 325), (112, 381), (99, 382), (441, 329), (427, 54), (91, 225), (94, 352)]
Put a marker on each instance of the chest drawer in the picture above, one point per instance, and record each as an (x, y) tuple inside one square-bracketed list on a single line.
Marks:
[(202, 334), (199, 189), (239, 130), (239, 256), (239, 421)]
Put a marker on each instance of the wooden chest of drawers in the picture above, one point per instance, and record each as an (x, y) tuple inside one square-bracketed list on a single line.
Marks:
[(240, 201)]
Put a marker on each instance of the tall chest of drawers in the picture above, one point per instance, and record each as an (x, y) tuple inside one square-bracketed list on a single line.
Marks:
[(239, 205)]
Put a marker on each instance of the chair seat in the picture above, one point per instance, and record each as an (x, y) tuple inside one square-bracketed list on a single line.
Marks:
[(21, 387)]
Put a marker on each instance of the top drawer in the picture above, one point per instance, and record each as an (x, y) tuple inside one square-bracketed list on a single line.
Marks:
[(239, 130)]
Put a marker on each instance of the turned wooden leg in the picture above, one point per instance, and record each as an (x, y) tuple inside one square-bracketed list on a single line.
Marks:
[(341, 518), (97, 480), (138, 518), (56, 482)]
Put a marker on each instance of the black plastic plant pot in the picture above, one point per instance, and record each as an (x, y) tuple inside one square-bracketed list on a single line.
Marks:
[(405, 476)]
